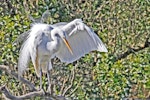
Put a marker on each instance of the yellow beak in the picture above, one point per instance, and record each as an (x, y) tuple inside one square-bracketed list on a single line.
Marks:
[(68, 45)]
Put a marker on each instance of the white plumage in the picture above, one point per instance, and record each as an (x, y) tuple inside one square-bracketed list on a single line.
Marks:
[(67, 41), (82, 40)]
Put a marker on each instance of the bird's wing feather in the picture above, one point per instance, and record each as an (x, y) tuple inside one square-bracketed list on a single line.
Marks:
[(81, 42)]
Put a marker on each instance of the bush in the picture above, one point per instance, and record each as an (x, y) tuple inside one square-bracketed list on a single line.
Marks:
[(122, 25)]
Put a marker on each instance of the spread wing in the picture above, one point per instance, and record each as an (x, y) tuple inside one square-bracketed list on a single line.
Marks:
[(82, 40)]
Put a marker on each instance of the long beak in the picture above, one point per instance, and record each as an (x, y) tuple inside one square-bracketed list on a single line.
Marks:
[(68, 45)]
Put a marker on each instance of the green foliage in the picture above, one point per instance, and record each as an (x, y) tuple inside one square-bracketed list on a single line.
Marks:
[(120, 24)]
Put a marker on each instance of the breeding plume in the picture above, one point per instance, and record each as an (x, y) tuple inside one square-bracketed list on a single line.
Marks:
[(66, 41)]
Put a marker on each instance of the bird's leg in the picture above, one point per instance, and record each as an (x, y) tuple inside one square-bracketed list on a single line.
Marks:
[(40, 78), (48, 77), (49, 67), (49, 83)]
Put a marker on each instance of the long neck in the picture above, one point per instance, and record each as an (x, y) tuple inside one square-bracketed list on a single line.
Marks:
[(56, 39), (54, 36)]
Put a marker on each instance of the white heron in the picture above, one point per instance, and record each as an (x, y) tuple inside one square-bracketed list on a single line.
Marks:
[(67, 41)]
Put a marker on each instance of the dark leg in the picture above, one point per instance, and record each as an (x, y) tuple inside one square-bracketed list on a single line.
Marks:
[(49, 83), (48, 77), (40, 78)]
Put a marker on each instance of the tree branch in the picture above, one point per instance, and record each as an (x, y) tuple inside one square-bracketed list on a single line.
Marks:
[(15, 75), (132, 50), (75, 87), (72, 80), (10, 7), (63, 86), (7, 94), (35, 93)]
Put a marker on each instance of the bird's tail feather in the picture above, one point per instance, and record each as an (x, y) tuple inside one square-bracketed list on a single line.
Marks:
[(24, 59)]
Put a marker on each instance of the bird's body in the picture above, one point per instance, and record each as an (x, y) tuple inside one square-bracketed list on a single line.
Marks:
[(43, 54), (35, 45), (67, 41)]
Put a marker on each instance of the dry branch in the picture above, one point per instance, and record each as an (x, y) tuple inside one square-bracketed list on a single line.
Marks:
[(41, 93), (7, 94), (35, 93), (63, 86), (132, 50), (72, 80), (10, 7), (15, 75), (75, 87)]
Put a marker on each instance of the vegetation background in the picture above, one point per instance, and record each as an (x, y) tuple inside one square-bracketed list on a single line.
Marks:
[(123, 25)]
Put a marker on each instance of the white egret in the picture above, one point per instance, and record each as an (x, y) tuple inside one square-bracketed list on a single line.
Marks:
[(67, 41)]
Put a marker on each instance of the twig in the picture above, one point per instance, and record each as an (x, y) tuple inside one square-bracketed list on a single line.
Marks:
[(30, 95), (10, 7), (35, 93), (132, 50), (72, 80), (75, 87), (63, 86), (15, 75)]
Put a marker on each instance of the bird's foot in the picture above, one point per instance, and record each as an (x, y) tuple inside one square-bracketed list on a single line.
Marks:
[(49, 89)]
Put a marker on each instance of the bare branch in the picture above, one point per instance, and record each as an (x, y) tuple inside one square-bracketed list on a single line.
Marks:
[(132, 50), (35, 93), (32, 94), (63, 86), (41, 93), (7, 94), (10, 7), (72, 80), (75, 87), (15, 75)]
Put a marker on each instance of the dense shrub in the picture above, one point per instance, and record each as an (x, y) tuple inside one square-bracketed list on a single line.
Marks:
[(122, 25)]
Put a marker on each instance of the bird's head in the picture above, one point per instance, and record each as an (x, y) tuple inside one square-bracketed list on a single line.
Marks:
[(57, 33)]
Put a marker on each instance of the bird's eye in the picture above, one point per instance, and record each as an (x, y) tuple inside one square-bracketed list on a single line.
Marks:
[(56, 35)]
